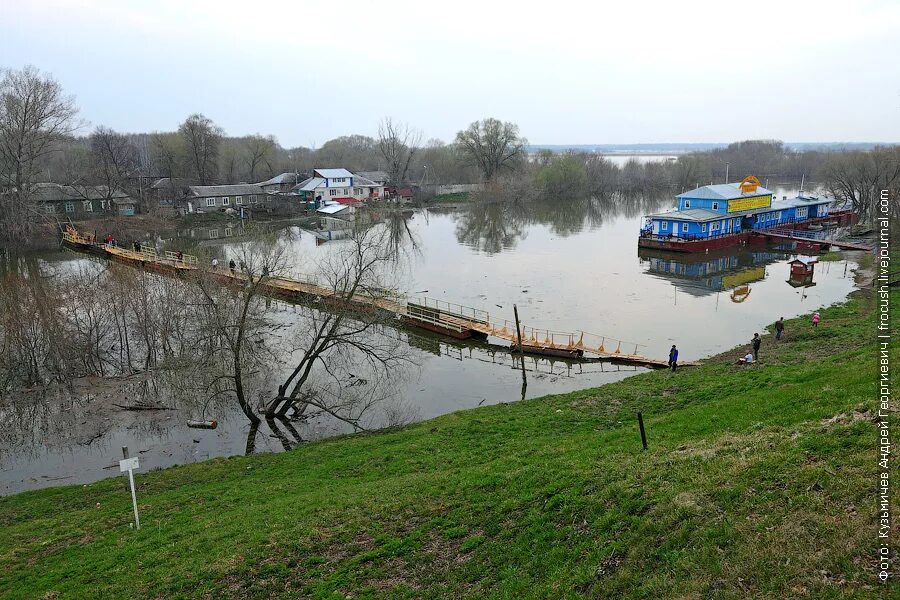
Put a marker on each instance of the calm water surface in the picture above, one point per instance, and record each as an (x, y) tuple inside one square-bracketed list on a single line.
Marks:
[(568, 265)]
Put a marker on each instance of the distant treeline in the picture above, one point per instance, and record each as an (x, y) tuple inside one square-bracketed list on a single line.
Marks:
[(40, 142), (857, 177)]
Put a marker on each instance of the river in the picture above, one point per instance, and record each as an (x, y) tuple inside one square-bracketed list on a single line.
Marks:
[(567, 265)]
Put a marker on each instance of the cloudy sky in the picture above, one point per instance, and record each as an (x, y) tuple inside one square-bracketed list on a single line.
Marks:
[(566, 72)]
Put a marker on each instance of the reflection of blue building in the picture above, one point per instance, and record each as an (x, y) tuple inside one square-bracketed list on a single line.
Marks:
[(704, 275), (721, 212)]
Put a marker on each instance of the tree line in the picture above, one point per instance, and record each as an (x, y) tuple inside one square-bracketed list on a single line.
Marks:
[(41, 139)]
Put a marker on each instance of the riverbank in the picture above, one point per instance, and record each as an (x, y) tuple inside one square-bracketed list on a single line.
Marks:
[(757, 482)]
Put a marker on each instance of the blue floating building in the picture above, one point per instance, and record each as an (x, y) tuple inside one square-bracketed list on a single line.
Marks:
[(721, 215)]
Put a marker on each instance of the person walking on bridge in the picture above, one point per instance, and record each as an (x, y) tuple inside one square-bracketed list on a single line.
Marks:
[(673, 357), (757, 342)]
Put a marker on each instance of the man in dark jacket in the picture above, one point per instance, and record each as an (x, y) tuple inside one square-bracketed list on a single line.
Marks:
[(757, 342), (673, 357), (779, 328)]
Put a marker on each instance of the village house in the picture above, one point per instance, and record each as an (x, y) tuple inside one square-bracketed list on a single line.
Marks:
[(210, 198), (379, 177), (83, 201), (165, 191), (337, 185), (280, 184)]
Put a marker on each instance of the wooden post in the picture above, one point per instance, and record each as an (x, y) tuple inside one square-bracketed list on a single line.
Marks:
[(643, 433), (521, 350)]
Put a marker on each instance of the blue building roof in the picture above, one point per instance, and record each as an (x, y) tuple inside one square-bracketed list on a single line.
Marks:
[(722, 191)]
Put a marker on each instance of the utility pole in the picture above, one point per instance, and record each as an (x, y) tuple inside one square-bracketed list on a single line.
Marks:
[(521, 350)]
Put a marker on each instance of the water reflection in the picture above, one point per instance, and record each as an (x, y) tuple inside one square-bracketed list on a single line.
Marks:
[(701, 274), (494, 227)]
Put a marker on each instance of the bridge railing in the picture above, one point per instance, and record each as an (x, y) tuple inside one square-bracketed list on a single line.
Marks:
[(458, 310), (568, 340), (187, 259), (432, 316)]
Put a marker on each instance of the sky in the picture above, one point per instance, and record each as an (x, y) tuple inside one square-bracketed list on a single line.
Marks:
[(565, 72)]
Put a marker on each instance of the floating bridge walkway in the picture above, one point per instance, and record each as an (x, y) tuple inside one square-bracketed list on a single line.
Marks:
[(446, 318), (818, 237)]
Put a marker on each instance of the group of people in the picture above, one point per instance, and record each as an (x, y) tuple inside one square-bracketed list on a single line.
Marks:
[(755, 344)]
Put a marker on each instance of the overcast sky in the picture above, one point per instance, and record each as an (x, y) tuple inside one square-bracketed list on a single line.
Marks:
[(566, 72)]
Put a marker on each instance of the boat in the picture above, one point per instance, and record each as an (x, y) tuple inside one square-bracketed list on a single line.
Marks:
[(722, 215)]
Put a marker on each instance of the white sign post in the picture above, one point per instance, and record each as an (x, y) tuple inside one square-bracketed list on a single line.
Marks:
[(130, 464)]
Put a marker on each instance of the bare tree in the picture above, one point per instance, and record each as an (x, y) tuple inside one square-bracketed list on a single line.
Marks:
[(202, 139), (335, 358), (115, 164), (492, 146), (346, 363), (259, 151), (398, 144), (35, 115), (858, 178), (232, 318)]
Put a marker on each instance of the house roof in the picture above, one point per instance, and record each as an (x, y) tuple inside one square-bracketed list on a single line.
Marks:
[(722, 191), (239, 189), (330, 209), (691, 214), (702, 214), (359, 180), (279, 179), (374, 175), (54, 192), (308, 185), (800, 201), (170, 182), (332, 173)]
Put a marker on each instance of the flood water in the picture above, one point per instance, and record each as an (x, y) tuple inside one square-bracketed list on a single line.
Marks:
[(567, 265)]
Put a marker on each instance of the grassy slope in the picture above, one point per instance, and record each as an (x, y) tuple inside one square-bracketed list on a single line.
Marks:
[(758, 482)]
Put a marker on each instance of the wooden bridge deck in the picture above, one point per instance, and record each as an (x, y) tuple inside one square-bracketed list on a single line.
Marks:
[(435, 315)]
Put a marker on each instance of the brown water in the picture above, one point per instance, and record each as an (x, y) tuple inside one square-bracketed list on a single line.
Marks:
[(568, 265)]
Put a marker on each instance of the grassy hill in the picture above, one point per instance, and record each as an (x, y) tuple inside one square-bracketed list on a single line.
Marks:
[(758, 482)]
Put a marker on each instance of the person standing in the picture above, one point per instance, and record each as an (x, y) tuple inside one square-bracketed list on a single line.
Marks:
[(673, 357), (779, 328), (215, 263), (231, 266), (757, 342), (816, 318)]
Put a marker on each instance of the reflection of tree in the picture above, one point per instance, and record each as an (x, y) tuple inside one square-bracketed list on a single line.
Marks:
[(496, 226), (401, 238), (491, 227)]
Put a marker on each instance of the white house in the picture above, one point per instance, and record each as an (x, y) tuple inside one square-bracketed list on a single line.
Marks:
[(338, 185)]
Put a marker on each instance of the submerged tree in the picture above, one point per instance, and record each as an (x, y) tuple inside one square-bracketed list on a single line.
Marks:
[(335, 358), (492, 146)]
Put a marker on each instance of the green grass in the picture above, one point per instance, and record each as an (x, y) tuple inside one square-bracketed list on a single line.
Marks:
[(758, 483), (831, 256), (455, 197)]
